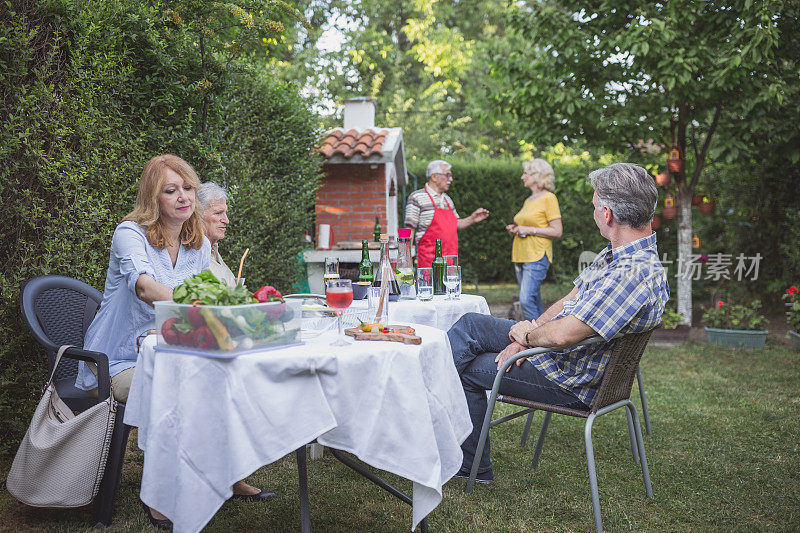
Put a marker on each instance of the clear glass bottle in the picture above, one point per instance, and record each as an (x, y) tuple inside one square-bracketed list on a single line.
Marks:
[(385, 269), (438, 266), (405, 266)]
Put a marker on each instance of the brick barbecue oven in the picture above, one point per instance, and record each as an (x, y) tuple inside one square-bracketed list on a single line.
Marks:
[(364, 168)]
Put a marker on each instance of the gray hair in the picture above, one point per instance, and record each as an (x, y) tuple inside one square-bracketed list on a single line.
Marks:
[(210, 192), (628, 190), (436, 167)]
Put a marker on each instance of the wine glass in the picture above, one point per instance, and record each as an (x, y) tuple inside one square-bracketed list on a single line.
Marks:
[(425, 284), (339, 295), (331, 268), (452, 277), (451, 260)]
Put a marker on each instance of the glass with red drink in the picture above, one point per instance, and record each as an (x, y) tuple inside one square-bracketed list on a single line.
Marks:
[(339, 295)]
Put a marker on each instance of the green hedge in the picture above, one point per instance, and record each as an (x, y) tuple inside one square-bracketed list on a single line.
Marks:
[(90, 91), (485, 248)]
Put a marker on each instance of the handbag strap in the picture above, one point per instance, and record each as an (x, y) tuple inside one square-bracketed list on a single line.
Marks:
[(58, 358)]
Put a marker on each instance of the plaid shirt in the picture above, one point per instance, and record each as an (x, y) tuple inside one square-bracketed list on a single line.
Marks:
[(623, 291)]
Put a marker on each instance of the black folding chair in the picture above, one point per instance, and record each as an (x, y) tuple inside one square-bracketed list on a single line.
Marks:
[(58, 310)]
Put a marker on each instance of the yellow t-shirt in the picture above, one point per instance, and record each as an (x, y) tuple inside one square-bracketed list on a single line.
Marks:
[(536, 213)]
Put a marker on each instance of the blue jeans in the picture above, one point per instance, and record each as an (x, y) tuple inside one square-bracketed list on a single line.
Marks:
[(530, 277), (476, 340)]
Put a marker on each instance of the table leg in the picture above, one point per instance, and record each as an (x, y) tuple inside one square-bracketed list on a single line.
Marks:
[(379, 481), (316, 451), (305, 519)]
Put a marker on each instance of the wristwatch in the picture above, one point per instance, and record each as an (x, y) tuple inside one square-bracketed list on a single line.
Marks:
[(527, 342)]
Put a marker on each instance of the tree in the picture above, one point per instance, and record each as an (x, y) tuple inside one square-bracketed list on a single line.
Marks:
[(616, 73)]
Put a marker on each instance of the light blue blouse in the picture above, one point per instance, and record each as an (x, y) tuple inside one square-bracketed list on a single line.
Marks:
[(123, 316)]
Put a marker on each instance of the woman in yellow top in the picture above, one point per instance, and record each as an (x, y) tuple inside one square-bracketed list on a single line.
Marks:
[(534, 228)]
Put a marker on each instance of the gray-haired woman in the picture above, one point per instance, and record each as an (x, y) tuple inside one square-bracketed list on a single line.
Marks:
[(214, 200)]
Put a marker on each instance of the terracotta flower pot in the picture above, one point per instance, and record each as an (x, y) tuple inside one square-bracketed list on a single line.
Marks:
[(656, 223), (697, 199), (670, 212), (707, 206), (663, 179)]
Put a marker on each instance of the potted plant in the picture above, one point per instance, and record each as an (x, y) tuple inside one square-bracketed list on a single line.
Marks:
[(792, 299), (735, 325)]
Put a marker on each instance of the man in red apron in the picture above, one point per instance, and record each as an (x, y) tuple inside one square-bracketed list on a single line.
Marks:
[(431, 215)]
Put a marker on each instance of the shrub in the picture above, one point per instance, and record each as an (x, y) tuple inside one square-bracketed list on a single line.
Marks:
[(90, 91), (736, 316), (670, 318)]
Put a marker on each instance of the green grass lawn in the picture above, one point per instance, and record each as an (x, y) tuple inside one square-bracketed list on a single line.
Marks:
[(724, 455), (503, 293)]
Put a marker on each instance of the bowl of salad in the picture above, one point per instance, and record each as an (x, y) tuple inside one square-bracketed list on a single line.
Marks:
[(209, 317)]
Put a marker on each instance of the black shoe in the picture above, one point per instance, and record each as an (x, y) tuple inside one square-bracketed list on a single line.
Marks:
[(483, 477), (165, 524), (262, 496)]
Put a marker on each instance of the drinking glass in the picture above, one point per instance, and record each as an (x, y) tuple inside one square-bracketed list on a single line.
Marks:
[(331, 268), (425, 284), (451, 260), (339, 295), (452, 278)]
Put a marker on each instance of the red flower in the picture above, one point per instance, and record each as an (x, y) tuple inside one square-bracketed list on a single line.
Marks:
[(720, 303), (793, 290), (789, 291)]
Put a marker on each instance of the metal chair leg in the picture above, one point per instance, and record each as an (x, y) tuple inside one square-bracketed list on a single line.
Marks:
[(527, 429), (587, 435), (632, 436), (540, 440), (305, 518), (645, 414), (645, 470)]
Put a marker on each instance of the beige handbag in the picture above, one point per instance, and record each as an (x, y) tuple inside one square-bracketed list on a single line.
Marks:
[(62, 458)]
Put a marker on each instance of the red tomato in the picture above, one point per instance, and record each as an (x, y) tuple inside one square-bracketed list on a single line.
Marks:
[(169, 333), (194, 317), (204, 339), (263, 294)]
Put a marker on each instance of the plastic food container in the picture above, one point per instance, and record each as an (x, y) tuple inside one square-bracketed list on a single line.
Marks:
[(226, 330)]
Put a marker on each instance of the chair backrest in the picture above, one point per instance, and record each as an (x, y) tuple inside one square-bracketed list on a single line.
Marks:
[(58, 310), (620, 370)]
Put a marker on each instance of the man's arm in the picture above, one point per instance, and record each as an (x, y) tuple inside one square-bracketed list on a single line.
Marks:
[(559, 333), (476, 216)]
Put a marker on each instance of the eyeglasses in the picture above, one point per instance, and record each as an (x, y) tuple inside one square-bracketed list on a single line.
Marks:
[(448, 175)]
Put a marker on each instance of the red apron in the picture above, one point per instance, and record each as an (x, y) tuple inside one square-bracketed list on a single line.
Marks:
[(443, 226)]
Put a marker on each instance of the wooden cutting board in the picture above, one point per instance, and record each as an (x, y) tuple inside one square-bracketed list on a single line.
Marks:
[(402, 334)]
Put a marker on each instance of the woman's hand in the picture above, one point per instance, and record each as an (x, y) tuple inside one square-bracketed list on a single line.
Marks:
[(511, 229)]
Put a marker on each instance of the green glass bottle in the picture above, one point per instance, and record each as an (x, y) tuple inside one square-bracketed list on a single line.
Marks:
[(365, 266), (376, 231), (438, 269)]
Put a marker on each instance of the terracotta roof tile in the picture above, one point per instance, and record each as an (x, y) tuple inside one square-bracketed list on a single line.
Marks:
[(347, 144)]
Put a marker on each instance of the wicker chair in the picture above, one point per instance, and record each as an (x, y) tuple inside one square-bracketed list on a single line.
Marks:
[(614, 393), (58, 311)]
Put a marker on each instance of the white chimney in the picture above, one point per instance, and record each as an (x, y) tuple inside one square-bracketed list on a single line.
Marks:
[(359, 113)]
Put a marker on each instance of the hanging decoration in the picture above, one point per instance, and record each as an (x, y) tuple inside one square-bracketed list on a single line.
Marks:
[(707, 205), (674, 161), (670, 211), (656, 223), (663, 179), (695, 241)]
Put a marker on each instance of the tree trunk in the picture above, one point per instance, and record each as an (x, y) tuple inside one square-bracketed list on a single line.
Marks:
[(684, 252)]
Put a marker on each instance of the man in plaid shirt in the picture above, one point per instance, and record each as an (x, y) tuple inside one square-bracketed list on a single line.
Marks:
[(624, 290)]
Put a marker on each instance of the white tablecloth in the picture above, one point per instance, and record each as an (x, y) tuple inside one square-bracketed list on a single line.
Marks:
[(207, 423), (439, 313)]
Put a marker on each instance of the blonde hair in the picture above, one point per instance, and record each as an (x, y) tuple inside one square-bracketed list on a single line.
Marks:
[(146, 211), (542, 173)]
